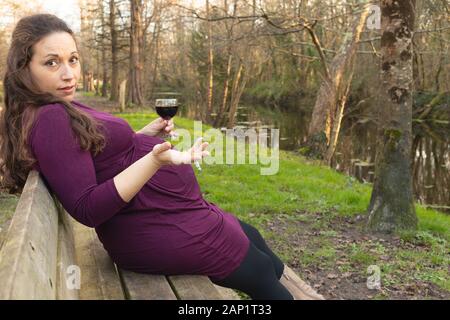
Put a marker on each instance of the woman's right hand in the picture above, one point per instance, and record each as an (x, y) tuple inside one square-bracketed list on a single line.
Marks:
[(164, 155)]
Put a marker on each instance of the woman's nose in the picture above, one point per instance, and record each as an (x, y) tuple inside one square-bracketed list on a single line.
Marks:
[(67, 72)]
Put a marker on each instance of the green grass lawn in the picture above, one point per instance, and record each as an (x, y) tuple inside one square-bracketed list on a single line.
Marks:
[(299, 185), (302, 211), (304, 190)]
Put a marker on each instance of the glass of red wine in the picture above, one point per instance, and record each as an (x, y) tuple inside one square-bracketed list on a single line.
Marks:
[(167, 109)]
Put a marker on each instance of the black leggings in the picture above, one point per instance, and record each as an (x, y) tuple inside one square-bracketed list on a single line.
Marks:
[(259, 273)]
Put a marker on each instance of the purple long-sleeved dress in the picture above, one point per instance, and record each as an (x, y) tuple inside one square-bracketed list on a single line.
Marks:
[(167, 228)]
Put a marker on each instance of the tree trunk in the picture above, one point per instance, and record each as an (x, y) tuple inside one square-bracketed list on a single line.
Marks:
[(114, 65), (155, 62), (210, 67), (122, 93), (337, 116), (135, 92), (102, 47), (441, 59), (391, 205), (85, 65), (220, 113), (238, 86), (90, 81), (327, 113), (220, 116), (97, 73)]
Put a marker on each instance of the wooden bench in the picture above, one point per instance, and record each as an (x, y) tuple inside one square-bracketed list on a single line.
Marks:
[(44, 241)]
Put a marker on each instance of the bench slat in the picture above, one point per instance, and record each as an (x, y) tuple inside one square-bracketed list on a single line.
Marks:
[(28, 256), (99, 277), (66, 257), (140, 286), (227, 293), (194, 287)]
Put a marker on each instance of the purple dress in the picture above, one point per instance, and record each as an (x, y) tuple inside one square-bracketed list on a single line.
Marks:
[(167, 228)]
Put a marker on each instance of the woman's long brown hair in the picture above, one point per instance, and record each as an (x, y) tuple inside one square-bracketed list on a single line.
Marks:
[(22, 99)]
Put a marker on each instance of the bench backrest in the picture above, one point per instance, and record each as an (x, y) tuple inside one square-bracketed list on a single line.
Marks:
[(43, 240), (37, 247)]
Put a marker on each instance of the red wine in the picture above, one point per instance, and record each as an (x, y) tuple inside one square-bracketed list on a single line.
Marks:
[(167, 112)]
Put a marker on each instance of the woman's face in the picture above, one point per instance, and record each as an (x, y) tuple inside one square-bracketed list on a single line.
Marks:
[(55, 65)]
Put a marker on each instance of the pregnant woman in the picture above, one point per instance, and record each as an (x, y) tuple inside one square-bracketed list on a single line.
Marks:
[(138, 192)]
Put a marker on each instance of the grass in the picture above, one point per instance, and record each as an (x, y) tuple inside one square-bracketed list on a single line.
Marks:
[(360, 255), (303, 189), (299, 185), (307, 193), (8, 205)]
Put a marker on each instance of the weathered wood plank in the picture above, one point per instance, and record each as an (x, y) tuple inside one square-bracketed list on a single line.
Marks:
[(107, 273), (140, 286), (194, 287), (99, 277), (227, 293), (28, 256), (66, 257), (88, 287)]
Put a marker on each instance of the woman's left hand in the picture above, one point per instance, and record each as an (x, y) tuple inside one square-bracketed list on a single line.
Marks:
[(158, 128)]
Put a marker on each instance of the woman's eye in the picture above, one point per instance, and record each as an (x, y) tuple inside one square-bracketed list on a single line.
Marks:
[(74, 59), (48, 63)]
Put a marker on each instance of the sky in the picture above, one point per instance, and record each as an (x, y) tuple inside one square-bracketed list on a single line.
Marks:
[(68, 10)]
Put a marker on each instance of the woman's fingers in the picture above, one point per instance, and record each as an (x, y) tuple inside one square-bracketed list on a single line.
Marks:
[(169, 127), (197, 155), (198, 150), (204, 145), (159, 148), (165, 155), (197, 143)]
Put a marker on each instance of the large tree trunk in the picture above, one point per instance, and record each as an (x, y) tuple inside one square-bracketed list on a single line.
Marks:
[(97, 72), (155, 61), (135, 88), (329, 107), (391, 206), (218, 121), (83, 32), (220, 113), (210, 68), (114, 65), (102, 47), (235, 95)]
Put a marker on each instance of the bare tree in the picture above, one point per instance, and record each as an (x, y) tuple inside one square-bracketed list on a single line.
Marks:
[(114, 48), (391, 206), (328, 111), (210, 67), (135, 95)]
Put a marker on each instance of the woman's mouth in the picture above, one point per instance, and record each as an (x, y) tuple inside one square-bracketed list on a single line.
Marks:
[(67, 89)]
